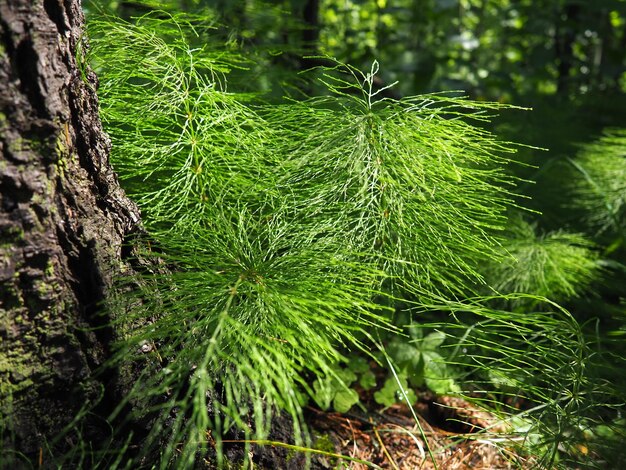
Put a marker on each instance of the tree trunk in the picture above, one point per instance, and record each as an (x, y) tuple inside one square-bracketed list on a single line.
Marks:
[(63, 222), (565, 36)]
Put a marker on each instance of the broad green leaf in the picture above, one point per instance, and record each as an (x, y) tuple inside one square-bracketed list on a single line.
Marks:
[(345, 399), (346, 376), (416, 378), (386, 396), (391, 392), (432, 341), (415, 332), (368, 380), (501, 380), (358, 364), (402, 353), (323, 393), (436, 374)]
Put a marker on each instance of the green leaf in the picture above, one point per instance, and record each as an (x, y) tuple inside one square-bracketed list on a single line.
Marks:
[(346, 376), (358, 365), (605, 432), (345, 399), (436, 374), (402, 353), (368, 380), (391, 392), (502, 380), (324, 393), (410, 395), (386, 396), (335, 389), (415, 331), (416, 377), (432, 341)]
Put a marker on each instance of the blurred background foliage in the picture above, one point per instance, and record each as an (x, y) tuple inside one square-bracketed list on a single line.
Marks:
[(504, 50)]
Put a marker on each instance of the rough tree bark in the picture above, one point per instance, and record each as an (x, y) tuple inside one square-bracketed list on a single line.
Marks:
[(63, 222)]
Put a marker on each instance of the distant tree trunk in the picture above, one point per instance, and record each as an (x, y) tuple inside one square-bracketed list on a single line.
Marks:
[(63, 222), (613, 54), (566, 29), (311, 31), (310, 34)]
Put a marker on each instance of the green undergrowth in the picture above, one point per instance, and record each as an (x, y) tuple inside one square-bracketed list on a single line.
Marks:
[(598, 186), (300, 243)]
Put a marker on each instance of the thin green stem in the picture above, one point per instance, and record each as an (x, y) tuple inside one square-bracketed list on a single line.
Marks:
[(415, 417)]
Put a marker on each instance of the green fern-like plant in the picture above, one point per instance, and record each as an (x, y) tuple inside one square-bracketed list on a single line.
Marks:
[(558, 265), (289, 233), (252, 305), (598, 187), (409, 185), (537, 356)]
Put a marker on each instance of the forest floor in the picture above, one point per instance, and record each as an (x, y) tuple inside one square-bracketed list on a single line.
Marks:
[(453, 436)]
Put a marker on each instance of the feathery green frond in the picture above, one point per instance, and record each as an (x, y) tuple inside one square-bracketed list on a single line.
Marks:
[(558, 265), (537, 357), (180, 149), (599, 185), (289, 229), (408, 183)]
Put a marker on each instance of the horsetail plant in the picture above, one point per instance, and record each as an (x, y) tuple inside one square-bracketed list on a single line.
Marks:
[(290, 233)]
